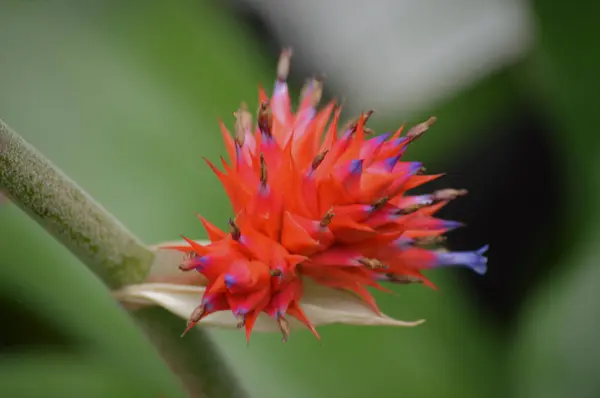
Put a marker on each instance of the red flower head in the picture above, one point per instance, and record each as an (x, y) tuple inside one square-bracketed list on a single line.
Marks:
[(314, 202)]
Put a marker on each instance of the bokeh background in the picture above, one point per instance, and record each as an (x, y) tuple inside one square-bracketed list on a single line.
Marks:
[(125, 95)]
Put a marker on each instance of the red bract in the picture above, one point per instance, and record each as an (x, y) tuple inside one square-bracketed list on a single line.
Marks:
[(314, 202)]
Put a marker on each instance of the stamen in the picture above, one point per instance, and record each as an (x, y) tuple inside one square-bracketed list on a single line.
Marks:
[(318, 159), (265, 119), (403, 279), (420, 129), (284, 326), (409, 209), (186, 266), (194, 318), (430, 240), (314, 89), (379, 203), (316, 92), (327, 218), (448, 194), (283, 66), (372, 263), (276, 272), (190, 256), (243, 123), (241, 321), (368, 131), (264, 174), (189, 263), (236, 233), (352, 124)]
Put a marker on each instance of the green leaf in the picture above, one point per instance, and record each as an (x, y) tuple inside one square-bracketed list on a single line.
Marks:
[(52, 375), (557, 354), (46, 278)]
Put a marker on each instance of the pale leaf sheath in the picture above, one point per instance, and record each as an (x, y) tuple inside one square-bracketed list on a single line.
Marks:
[(180, 295)]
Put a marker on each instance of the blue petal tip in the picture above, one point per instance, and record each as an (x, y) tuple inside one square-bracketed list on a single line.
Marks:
[(391, 162), (398, 141), (229, 280), (474, 260), (356, 166), (415, 167), (380, 139), (449, 224)]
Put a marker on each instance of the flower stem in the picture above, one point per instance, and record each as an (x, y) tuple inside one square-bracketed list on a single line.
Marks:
[(66, 211)]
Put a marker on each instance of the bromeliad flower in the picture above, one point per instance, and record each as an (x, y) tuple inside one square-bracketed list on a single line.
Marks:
[(314, 205)]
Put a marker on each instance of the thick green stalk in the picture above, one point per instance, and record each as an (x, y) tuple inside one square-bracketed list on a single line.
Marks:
[(66, 211), (94, 236)]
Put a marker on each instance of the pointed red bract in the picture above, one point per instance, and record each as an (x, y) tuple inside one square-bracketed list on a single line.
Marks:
[(314, 202)]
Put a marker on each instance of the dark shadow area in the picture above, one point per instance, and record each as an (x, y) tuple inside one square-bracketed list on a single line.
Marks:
[(515, 201), (27, 330)]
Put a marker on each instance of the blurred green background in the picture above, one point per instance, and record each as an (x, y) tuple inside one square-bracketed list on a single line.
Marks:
[(125, 97)]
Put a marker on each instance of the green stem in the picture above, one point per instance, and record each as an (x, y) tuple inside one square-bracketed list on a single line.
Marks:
[(94, 235), (66, 211)]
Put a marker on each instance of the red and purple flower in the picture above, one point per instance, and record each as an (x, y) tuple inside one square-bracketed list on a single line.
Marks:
[(315, 202)]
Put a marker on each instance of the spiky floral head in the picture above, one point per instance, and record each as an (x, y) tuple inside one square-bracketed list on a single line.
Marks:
[(310, 203)]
